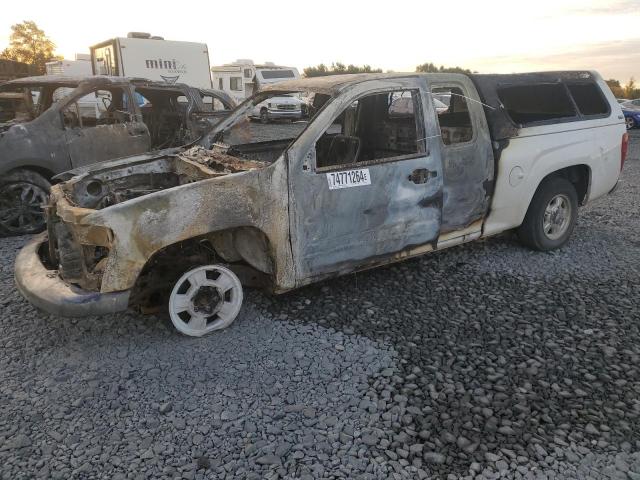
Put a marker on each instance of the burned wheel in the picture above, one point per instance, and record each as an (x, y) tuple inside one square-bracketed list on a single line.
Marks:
[(22, 195), (205, 299)]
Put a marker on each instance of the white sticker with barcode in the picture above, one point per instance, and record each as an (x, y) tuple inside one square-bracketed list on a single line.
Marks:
[(348, 178)]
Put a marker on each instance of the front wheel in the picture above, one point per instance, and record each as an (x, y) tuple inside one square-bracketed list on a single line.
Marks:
[(264, 116), (630, 123), (205, 299), (552, 215), (22, 196)]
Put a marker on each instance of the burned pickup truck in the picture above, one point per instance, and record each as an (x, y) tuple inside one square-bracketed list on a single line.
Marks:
[(50, 124), (378, 174)]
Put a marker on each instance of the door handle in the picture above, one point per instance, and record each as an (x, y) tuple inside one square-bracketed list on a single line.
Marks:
[(422, 175)]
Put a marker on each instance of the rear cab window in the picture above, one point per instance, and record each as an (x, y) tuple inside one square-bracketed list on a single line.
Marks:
[(544, 103)]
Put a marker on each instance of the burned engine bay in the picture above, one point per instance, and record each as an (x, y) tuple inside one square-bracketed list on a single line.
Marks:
[(116, 185)]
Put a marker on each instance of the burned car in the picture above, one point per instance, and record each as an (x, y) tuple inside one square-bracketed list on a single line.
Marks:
[(362, 183), (50, 124)]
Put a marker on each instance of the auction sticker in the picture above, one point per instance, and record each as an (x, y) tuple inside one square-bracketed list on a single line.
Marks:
[(348, 178)]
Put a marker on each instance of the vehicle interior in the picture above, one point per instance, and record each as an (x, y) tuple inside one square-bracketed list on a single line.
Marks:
[(455, 122), (164, 112), (375, 127), (18, 103)]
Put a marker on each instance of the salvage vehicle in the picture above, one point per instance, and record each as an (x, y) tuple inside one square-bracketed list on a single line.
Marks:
[(53, 123), (281, 206)]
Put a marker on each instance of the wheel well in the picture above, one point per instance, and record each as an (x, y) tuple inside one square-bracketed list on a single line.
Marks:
[(48, 174), (264, 109), (579, 176), (166, 265)]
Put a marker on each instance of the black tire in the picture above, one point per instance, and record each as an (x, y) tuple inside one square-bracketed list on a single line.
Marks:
[(264, 115), (533, 233), (18, 216), (630, 123)]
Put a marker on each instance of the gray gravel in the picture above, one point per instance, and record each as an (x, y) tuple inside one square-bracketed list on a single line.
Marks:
[(483, 361)]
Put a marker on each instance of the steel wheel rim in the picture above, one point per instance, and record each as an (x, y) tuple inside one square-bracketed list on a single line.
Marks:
[(557, 217), (21, 207), (196, 318), (629, 121)]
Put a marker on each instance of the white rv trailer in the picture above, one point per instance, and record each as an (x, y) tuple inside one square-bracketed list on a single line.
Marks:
[(80, 67), (243, 78), (146, 56)]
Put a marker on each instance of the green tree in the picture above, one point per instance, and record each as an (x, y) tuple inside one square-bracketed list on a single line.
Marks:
[(630, 90), (432, 68), (615, 87), (30, 45), (338, 68)]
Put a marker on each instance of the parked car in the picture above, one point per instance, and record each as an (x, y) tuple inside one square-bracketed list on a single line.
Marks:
[(284, 107), (53, 123), (631, 116), (635, 103), (354, 187)]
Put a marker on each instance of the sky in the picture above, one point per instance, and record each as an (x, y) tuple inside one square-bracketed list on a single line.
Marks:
[(489, 36)]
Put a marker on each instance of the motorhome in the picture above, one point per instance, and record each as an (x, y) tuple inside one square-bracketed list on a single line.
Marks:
[(152, 57)]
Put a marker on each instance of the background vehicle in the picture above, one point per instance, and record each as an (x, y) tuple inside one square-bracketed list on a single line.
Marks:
[(66, 122), (243, 78), (631, 116), (152, 57), (632, 103), (284, 107), (358, 185)]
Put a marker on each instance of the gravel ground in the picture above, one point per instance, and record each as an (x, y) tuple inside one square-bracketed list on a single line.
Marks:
[(482, 361)]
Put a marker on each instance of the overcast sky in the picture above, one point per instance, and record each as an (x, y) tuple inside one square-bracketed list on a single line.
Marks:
[(488, 35)]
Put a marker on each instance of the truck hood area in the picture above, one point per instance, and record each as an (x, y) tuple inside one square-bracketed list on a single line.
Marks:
[(115, 182)]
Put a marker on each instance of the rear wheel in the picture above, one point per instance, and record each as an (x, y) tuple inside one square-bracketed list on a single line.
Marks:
[(552, 215), (205, 299), (22, 195)]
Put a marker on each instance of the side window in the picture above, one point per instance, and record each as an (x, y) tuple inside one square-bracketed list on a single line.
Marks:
[(102, 107), (588, 99), (212, 104), (373, 128), (454, 119), (533, 103), (235, 83)]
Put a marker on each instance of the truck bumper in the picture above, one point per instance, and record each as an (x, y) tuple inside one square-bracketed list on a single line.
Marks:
[(285, 114), (46, 290)]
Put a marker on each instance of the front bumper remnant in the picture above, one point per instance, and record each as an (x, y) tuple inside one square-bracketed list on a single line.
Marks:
[(46, 290)]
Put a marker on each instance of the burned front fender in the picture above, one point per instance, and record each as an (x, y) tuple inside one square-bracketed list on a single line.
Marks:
[(139, 227)]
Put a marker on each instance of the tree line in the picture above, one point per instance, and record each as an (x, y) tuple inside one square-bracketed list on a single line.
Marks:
[(337, 68)]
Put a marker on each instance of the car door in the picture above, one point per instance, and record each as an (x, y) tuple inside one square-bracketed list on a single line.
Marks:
[(467, 156), (363, 186), (102, 125)]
